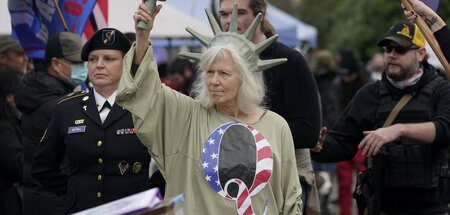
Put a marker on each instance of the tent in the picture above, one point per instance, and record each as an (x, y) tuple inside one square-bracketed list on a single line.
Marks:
[(292, 31), (5, 19), (169, 29), (287, 26)]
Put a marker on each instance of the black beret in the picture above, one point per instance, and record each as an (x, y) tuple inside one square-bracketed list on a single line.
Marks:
[(106, 38)]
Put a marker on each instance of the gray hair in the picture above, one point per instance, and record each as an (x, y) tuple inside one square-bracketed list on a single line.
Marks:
[(252, 90)]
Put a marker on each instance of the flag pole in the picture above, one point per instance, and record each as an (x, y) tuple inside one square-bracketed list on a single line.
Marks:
[(61, 16), (430, 37)]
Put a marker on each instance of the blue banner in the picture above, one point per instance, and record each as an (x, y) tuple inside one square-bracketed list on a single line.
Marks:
[(34, 21)]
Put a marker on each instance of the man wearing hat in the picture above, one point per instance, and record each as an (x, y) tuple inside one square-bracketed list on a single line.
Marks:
[(107, 160), (12, 55), (402, 124), (36, 98)]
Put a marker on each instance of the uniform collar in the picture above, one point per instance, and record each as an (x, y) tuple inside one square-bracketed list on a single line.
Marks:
[(100, 100)]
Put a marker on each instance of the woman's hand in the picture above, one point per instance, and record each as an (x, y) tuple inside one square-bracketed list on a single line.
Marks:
[(143, 35)]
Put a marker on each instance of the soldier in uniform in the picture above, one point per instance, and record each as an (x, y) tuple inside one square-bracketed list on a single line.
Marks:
[(107, 161)]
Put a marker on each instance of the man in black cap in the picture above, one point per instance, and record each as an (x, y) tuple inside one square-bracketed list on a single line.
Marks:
[(36, 98), (12, 55), (107, 160), (407, 151)]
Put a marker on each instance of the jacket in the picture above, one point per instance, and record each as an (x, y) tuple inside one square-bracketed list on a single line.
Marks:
[(106, 160), (11, 158), (342, 141), (36, 98)]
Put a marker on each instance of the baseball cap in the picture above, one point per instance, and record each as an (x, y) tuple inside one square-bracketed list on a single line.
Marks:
[(106, 38), (405, 34), (7, 43), (64, 45)]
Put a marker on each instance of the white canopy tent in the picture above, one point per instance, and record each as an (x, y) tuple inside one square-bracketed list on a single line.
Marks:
[(5, 19), (170, 23)]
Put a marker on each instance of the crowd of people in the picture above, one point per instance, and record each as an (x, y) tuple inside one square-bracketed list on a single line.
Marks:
[(251, 128)]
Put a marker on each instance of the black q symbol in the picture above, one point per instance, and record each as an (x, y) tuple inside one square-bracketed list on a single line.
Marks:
[(237, 158)]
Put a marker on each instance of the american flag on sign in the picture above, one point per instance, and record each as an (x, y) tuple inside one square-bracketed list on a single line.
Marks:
[(98, 20), (263, 159)]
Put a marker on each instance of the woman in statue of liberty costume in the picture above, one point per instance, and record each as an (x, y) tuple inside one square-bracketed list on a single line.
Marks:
[(223, 150)]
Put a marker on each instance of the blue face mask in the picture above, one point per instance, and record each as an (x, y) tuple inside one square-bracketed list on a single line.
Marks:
[(79, 73)]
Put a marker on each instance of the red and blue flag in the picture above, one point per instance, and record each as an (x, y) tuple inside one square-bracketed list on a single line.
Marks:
[(34, 21)]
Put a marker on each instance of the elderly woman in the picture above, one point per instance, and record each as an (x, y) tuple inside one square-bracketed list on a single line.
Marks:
[(224, 151)]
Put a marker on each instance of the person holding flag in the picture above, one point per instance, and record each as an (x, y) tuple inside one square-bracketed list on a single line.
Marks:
[(440, 30)]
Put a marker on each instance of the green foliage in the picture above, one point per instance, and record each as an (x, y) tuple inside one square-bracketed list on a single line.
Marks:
[(356, 23)]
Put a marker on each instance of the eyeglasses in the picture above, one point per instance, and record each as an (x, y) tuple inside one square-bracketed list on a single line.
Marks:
[(398, 49)]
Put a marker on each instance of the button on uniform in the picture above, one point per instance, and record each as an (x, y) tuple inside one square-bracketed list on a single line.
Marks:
[(99, 177), (99, 143), (100, 161), (99, 194)]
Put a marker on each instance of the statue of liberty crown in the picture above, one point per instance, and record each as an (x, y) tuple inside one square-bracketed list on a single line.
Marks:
[(244, 43)]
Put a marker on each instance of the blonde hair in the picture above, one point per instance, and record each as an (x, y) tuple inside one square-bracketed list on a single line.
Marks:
[(252, 89)]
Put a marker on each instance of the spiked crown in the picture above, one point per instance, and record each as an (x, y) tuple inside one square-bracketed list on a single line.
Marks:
[(243, 43)]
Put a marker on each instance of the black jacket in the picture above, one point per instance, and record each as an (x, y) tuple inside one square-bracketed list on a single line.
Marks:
[(36, 98), (341, 143), (292, 93), (95, 151), (11, 159), (324, 79), (443, 37)]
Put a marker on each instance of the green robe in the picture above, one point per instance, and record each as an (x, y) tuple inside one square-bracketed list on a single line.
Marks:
[(175, 127)]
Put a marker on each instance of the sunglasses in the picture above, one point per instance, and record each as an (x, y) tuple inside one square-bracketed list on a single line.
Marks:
[(398, 49)]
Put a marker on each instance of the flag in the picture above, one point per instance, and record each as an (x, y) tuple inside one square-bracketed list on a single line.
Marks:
[(433, 4), (97, 20), (34, 21)]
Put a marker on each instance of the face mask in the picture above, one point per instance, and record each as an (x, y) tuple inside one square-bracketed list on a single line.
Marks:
[(79, 73)]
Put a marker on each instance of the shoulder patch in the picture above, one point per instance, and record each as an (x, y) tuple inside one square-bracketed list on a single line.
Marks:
[(71, 96)]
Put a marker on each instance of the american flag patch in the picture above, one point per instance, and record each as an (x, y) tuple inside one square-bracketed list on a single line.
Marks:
[(264, 165)]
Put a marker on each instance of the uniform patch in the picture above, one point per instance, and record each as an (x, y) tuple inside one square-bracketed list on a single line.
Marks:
[(76, 129), (123, 167), (137, 166), (125, 131), (79, 121), (108, 37)]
